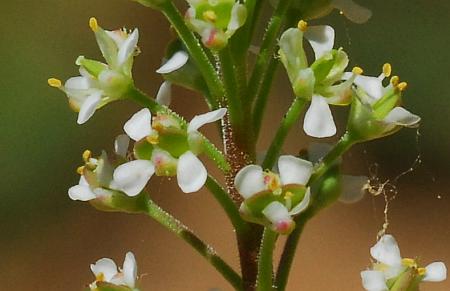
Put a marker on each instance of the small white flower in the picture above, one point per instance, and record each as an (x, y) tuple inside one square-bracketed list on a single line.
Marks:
[(190, 171), (389, 265), (105, 270), (294, 172)]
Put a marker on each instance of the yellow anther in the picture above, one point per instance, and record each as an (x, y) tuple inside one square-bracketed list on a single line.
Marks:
[(100, 277), (86, 155), (93, 24), (357, 70), (210, 16), (402, 86), (53, 82), (80, 170), (395, 80), (421, 271), (152, 139), (288, 195), (411, 263), (302, 25), (387, 69)]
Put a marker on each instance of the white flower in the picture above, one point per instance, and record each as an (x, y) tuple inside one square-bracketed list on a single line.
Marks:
[(105, 270), (252, 182), (190, 171), (389, 265), (321, 83), (99, 83)]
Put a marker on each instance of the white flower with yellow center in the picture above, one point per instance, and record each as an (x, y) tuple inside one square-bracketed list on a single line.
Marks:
[(105, 270), (273, 199), (389, 268)]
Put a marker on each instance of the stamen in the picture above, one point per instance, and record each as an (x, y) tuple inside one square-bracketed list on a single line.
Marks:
[(53, 82), (153, 139), (411, 263), (402, 86), (302, 25), (80, 170), (93, 24), (210, 16), (87, 154), (357, 70), (395, 80), (421, 271), (387, 70)]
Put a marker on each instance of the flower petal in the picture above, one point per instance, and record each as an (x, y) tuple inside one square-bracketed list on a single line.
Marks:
[(318, 119), (353, 11), (237, 19), (77, 83), (294, 170), (121, 144), (352, 188), (174, 63), (202, 119), (435, 272), (249, 181), (128, 47), (303, 204), (104, 266), (164, 96), (132, 177), (191, 173), (81, 193), (139, 125), (88, 107), (321, 38), (373, 86), (374, 281), (279, 216), (386, 251), (129, 270), (401, 116)]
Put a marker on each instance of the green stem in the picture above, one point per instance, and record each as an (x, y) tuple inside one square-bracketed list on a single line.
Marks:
[(267, 49), (290, 247), (289, 251), (265, 262), (209, 148), (180, 230), (289, 119), (227, 204), (195, 48)]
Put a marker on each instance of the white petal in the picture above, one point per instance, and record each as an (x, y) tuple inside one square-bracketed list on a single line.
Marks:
[(81, 192), (139, 125), (276, 212), (164, 96), (174, 63), (202, 119), (128, 47), (77, 83), (121, 144), (352, 188), (303, 204), (191, 173), (104, 266), (386, 251), (321, 38), (373, 281), (129, 270), (403, 117), (294, 170), (435, 272), (249, 181), (237, 19), (132, 177), (373, 86), (352, 10), (318, 119), (88, 107)]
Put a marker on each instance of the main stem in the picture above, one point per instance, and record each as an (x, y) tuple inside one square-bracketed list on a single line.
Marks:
[(265, 262)]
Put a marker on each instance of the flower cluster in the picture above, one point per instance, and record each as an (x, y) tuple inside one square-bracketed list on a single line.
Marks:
[(392, 272)]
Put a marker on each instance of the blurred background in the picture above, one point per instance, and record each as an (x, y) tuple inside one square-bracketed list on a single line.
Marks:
[(48, 241)]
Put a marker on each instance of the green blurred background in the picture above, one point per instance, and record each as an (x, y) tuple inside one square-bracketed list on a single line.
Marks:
[(48, 241)]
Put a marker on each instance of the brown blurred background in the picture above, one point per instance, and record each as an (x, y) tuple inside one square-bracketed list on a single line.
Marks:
[(48, 241)]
